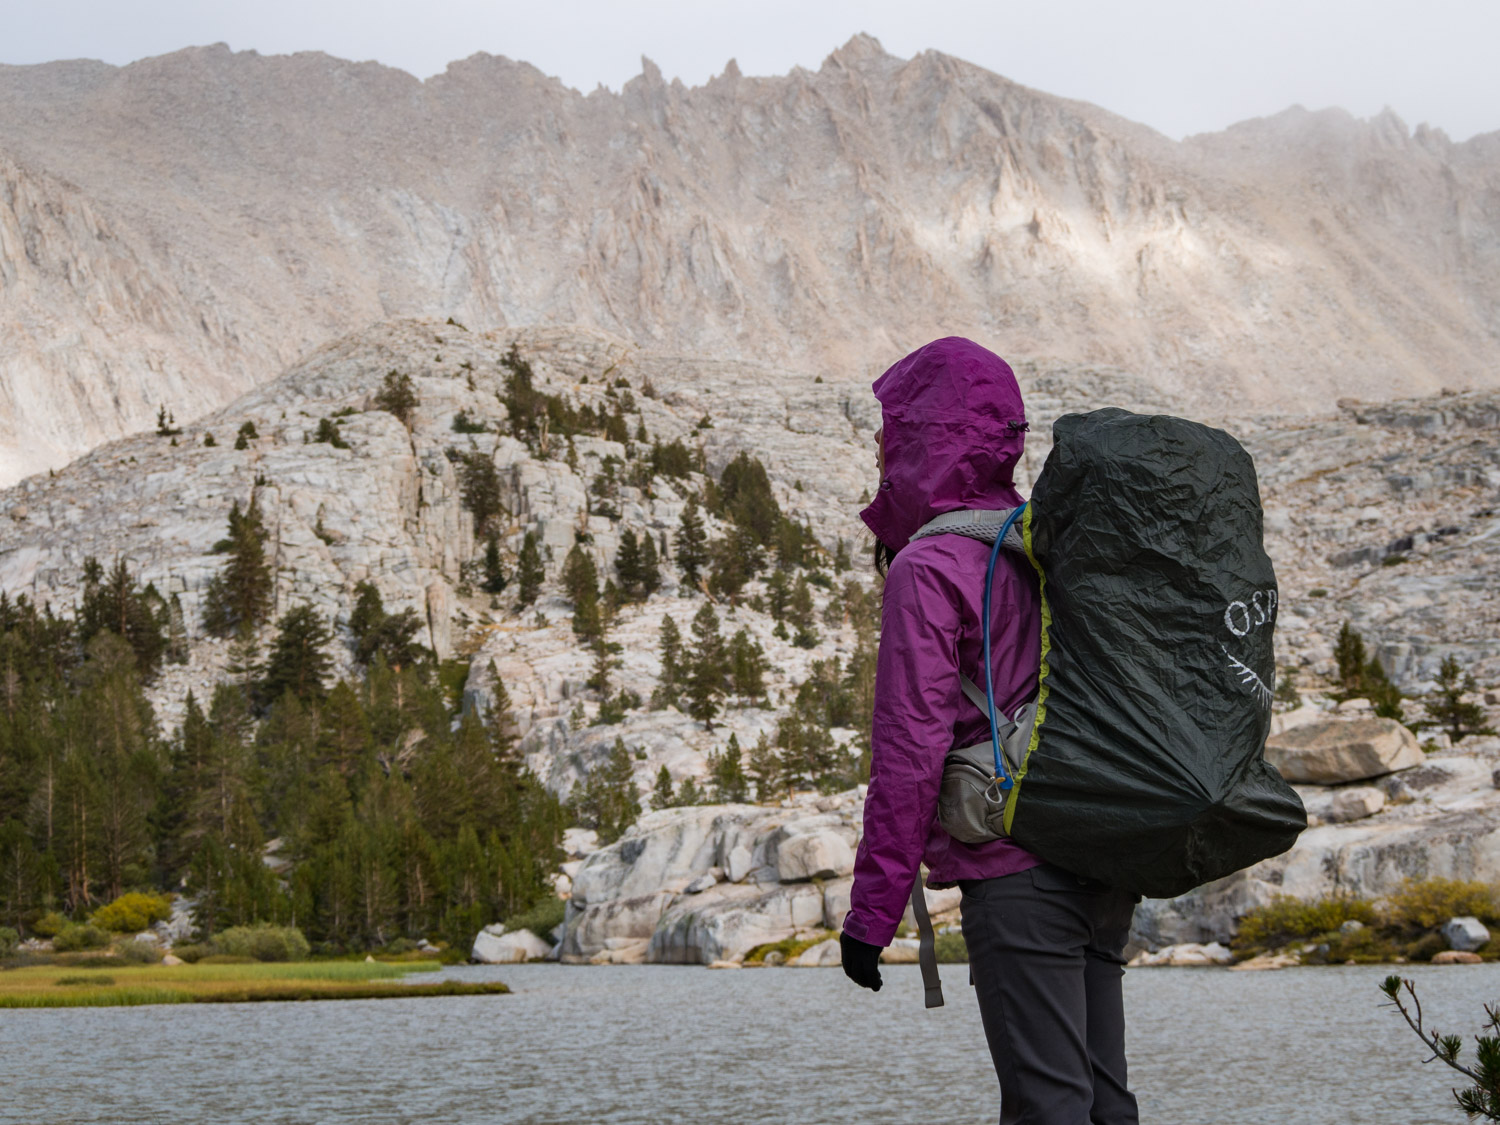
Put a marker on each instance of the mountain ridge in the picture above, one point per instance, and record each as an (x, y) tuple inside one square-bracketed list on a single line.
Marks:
[(825, 221)]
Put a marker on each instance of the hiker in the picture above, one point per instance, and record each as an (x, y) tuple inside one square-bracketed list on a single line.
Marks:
[(1045, 946)]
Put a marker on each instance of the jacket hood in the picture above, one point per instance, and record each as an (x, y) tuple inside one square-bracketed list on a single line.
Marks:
[(955, 427)]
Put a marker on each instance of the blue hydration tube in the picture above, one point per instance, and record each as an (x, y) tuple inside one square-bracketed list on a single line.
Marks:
[(1002, 772)]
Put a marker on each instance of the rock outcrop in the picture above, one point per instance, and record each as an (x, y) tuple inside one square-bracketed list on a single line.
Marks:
[(1338, 750)]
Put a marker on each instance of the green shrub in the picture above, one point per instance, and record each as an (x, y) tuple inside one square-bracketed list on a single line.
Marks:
[(191, 953), (9, 939), (261, 943), (541, 918), (131, 913), (1428, 904), (138, 952), (74, 937), (1286, 919), (951, 948), (1425, 948), (49, 925)]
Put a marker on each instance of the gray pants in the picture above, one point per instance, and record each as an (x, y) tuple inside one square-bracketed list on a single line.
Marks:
[(1045, 957)]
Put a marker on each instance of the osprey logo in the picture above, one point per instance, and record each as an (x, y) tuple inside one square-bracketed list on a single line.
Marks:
[(1242, 619)]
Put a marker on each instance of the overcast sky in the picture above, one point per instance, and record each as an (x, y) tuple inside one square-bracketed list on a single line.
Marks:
[(1182, 66)]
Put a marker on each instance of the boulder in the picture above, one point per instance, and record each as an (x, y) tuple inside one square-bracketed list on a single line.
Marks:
[(825, 954), (172, 959), (1189, 954), (902, 951), (1267, 961), (737, 863), (817, 855), (836, 902), (1465, 934), (622, 952), (1336, 750), (494, 946), (938, 902), (700, 884), (1355, 803), (1457, 957)]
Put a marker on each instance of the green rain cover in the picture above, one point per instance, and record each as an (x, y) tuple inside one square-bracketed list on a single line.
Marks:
[(1146, 768)]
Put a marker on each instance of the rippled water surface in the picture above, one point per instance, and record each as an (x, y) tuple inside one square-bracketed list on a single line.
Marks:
[(665, 1044)]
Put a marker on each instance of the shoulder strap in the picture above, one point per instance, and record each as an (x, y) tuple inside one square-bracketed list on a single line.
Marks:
[(975, 523), (974, 694)]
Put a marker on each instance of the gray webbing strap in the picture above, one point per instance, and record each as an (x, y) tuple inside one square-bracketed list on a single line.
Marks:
[(926, 948), (974, 693), (974, 523)]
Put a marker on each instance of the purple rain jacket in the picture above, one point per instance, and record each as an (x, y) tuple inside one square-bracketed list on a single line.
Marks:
[(954, 430)]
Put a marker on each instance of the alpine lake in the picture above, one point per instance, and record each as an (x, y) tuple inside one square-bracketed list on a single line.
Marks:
[(649, 1044)]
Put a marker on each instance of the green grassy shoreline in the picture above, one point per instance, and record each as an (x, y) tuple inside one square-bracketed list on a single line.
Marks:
[(62, 986)]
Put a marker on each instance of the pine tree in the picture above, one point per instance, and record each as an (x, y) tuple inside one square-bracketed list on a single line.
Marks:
[(764, 768), (705, 676), (628, 563), (494, 570), (692, 542), (297, 663), (689, 793), (663, 796), (800, 614), (728, 774), (479, 488), (747, 666), (115, 603), (239, 597), (650, 571), (581, 581), (1349, 653), (528, 571), (1449, 710), (398, 396), (607, 800)]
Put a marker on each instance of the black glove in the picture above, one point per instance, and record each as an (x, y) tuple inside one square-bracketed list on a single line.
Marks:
[(861, 962)]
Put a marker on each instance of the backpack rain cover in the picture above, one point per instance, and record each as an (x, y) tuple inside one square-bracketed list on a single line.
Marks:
[(1146, 766)]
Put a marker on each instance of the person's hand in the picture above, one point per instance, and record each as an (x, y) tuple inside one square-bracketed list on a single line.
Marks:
[(861, 962)]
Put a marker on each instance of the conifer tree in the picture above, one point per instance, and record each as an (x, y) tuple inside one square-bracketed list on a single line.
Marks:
[(479, 487), (650, 572), (727, 773), (528, 571), (1449, 710), (607, 800), (398, 396), (297, 663), (747, 666), (800, 614), (628, 563), (764, 768), (494, 570), (581, 582), (705, 674), (692, 542), (689, 793), (114, 602), (239, 597), (663, 796)]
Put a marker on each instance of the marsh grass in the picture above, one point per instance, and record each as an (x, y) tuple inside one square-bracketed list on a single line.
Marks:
[(127, 985)]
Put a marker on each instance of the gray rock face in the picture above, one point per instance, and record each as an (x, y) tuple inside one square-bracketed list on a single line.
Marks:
[(711, 218), (1465, 934), (674, 855), (1326, 753)]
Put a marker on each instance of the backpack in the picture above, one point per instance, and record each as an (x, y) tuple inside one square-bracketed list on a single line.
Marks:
[(1143, 765), (1141, 761)]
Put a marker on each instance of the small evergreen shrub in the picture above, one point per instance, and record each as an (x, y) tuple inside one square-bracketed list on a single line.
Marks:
[(49, 925), (541, 918), (73, 938), (1286, 919), (1428, 904), (260, 942), (9, 940), (951, 948), (132, 913)]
